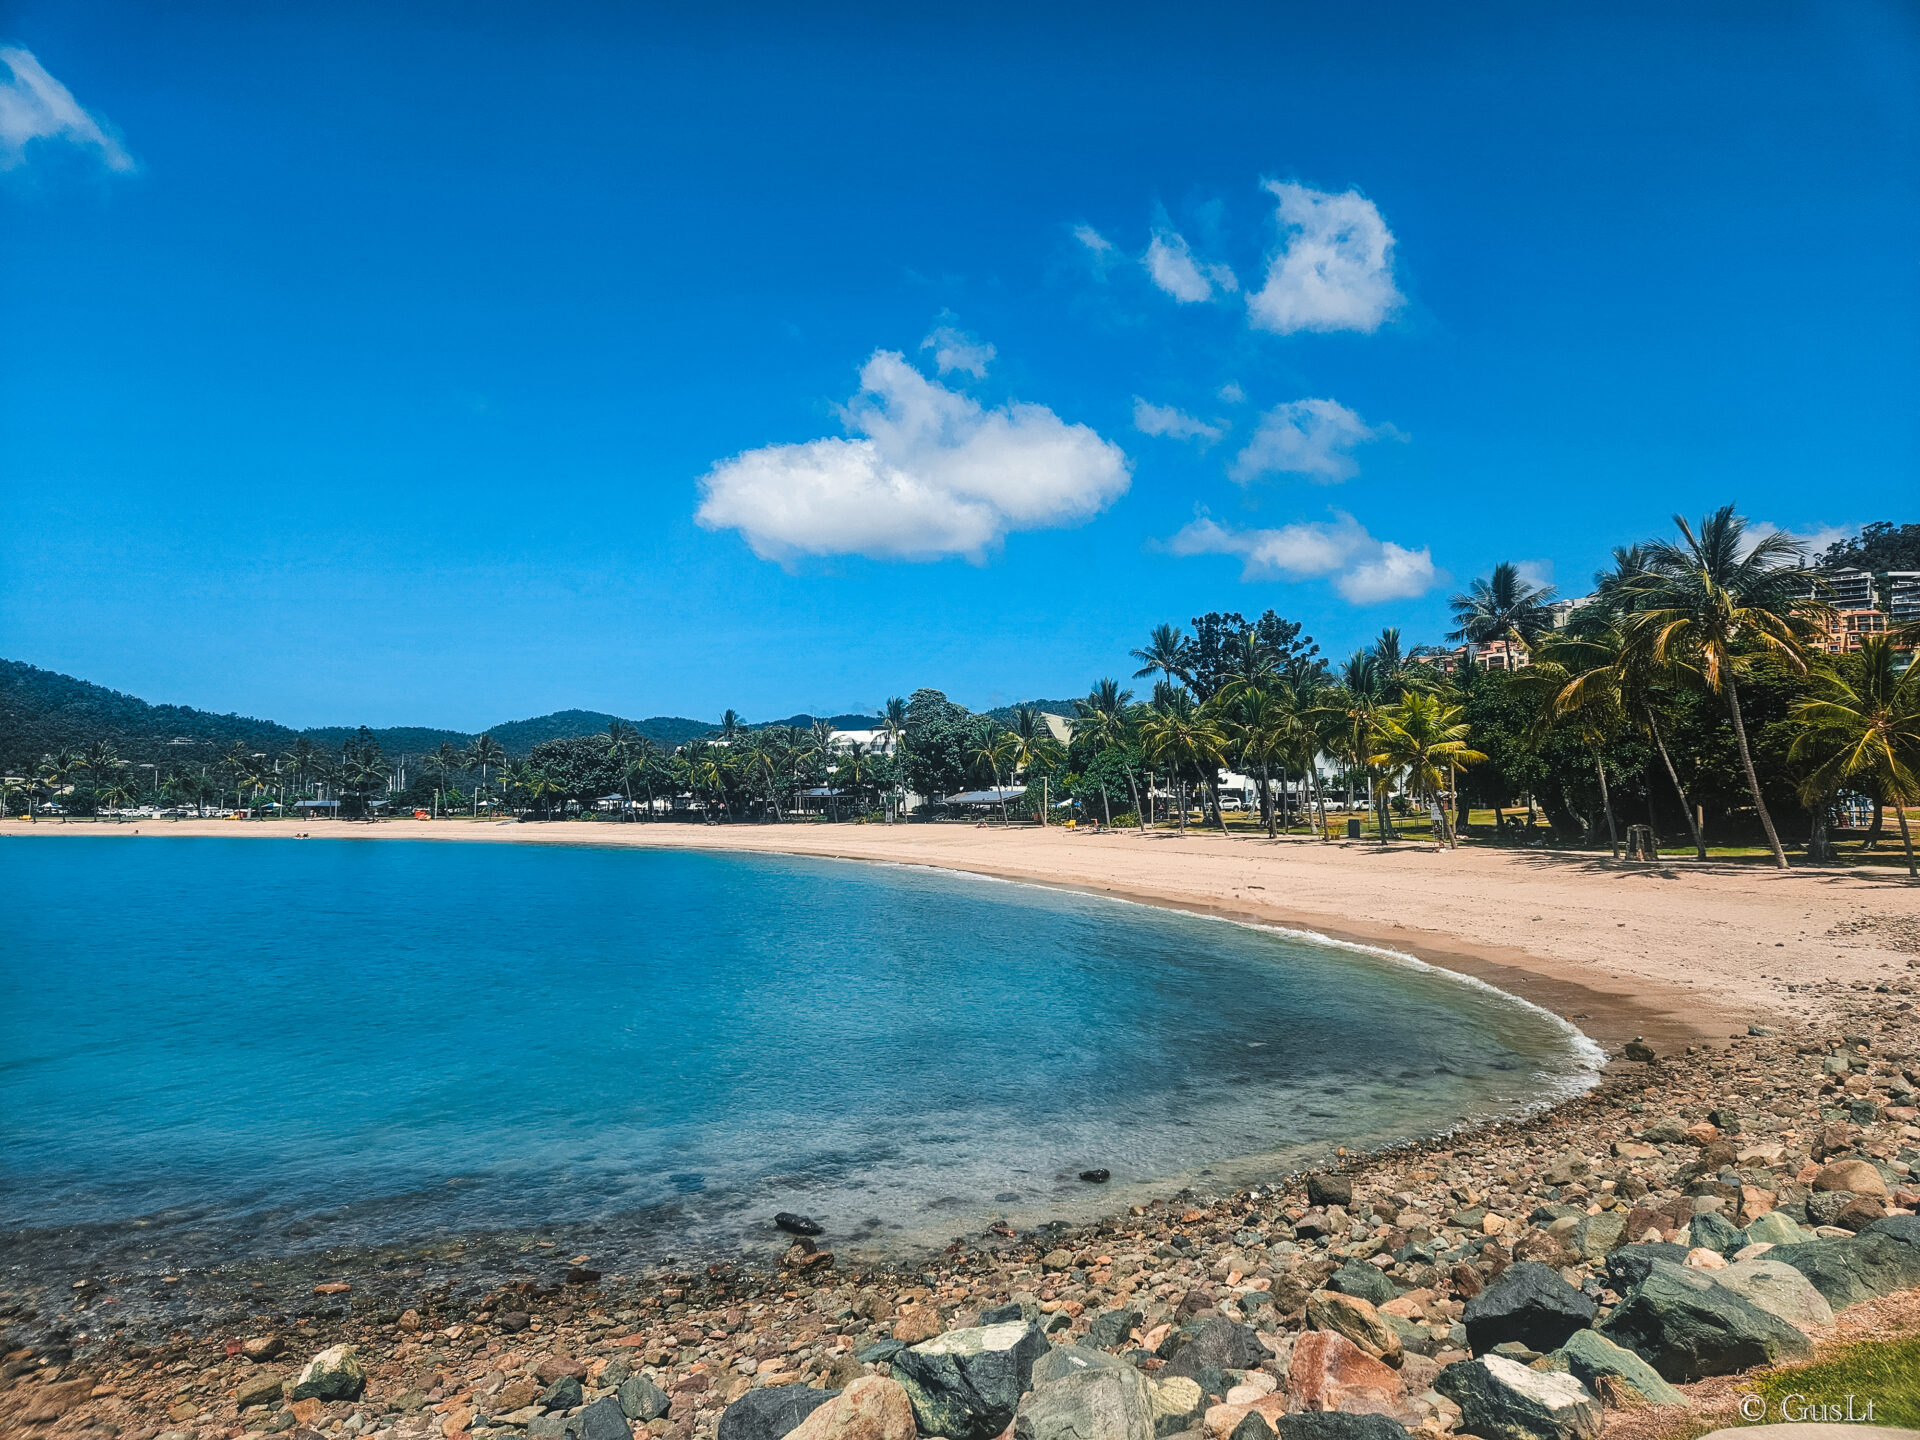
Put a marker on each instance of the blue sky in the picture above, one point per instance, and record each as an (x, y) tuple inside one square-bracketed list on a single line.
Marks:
[(454, 363)]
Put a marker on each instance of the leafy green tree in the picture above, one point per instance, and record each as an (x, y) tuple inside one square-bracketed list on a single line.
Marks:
[(1863, 722), (1503, 606), (1425, 739), (483, 754), (1177, 732)]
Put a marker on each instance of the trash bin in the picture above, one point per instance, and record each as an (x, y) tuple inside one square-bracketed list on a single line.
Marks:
[(1353, 827)]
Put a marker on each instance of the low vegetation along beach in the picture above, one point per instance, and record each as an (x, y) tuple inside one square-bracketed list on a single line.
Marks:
[(1732, 1200)]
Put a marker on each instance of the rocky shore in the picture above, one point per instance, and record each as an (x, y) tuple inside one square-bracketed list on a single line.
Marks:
[(1697, 1215)]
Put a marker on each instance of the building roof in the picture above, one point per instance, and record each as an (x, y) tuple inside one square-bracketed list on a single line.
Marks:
[(987, 797)]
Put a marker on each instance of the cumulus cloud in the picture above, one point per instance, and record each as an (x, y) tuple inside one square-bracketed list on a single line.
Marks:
[(1365, 571), (1232, 393), (1151, 419), (954, 349), (1171, 264), (1813, 540), (1305, 437), (1092, 239), (1535, 572), (931, 473), (1334, 269), (35, 106)]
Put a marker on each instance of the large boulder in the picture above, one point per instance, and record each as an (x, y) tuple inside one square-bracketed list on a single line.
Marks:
[(1713, 1231), (1207, 1348), (1338, 1425), (1112, 1327), (1594, 1235), (603, 1420), (1857, 1176), (966, 1384), (1603, 1367), (868, 1409), (643, 1400), (333, 1374), (260, 1387), (1108, 1401), (1354, 1318), (1529, 1303), (1327, 1371), (1688, 1327), (1366, 1282), (1176, 1403), (1064, 1360), (1879, 1260), (1777, 1288), (1630, 1264), (1500, 1399), (772, 1413), (1776, 1228)]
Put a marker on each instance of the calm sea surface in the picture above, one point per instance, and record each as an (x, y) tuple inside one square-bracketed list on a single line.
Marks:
[(326, 1042)]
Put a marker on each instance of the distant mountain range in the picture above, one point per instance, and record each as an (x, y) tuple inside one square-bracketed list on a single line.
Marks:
[(42, 711)]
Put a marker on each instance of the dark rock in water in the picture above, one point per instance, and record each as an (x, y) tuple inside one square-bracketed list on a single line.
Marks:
[(603, 1420), (966, 1384), (1687, 1327), (513, 1321), (1337, 1425), (580, 1275), (1252, 1427), (1364, 1281), (1529, 1303), (1212, 1344), (1083, 1394), (643, 1400), (1638, 1049), (797, 1224), (1326, 1189), (770, 1414), (1500, 1399), (1110, 1328), (563, 1394), (1628, 1266), (1876, 1262), (1095, 1177), (998, 1315), (887, 1349)]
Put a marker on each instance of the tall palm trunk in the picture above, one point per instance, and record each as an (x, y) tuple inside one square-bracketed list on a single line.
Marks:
[(1753, 780), (1139, 815), (1183, 805), (1686, 808), (1606, 802), (1213, 793), (1266, 794), (1906, 836)]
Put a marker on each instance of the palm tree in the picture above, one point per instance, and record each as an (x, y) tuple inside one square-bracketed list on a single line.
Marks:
[(1398, 674), (1426, 739), (1177, 731), (1591, 712), (1713, 601), (621, 750), (57, 770), (1103, 718), (1503, 606), (485, 751), (731, 725), (992, 749), (893, 725), (1356, 704), (1167, 652), (1863, 721), (444, 762), (1601, 669), (1262, 727), (1032, 744)]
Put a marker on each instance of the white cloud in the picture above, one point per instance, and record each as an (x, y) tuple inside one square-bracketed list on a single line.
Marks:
[(1305, 437), (35, 106), (1535, 572), (933, 474), (1334, 270), (1813, 539), (954, 349), (1365, 571), (1171, 263), (1092, 239), (1232, 393), (1151, 419)]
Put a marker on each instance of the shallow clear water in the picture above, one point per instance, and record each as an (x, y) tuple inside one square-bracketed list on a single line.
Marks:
[(331, 1042)]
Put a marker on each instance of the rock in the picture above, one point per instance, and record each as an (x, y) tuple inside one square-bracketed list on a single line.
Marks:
[(1588, 1356), (1779, 1289), (603, 1420), (1368, 1282), (869, 1409), (1108, 1400), (1253, 1426), (1710, 1232), (261, 1387), (333, 1374), (798, 1224), (563, 1394), (1701, 1258), (1001, 1314), (1630, 1264), (1638, 1049), (882, 1350), (642, 1400), (966, 1384), (1500, 1399), (1824, 1206), (1687, 1327), (1857, 1176), (262, 1348), (1594, 1235), (916, 1323), (1329, 1372), (1528, 1303), (770, 1414), (1111, 1328), (1354, 1318), (1175, 1402), (1569, 1167), (1338, 1425), (1774, 1228), (1328, 1189), (1215, 1343), (557, 1365), (1860, 1212), (1096, 1176), (1064, 1360), (512, 1322), (1873, 1263)]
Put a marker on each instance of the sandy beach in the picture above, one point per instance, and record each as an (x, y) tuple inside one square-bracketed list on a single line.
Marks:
[(1675, 952)]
